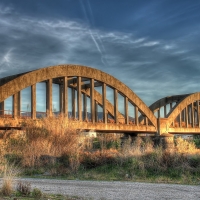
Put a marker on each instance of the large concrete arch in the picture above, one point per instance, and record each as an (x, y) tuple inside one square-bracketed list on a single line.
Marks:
[(30, 78)]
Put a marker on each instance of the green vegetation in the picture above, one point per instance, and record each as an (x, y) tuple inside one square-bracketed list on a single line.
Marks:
[(52, 148)]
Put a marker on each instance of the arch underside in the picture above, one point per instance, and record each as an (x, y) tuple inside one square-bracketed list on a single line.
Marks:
[(12, 85)]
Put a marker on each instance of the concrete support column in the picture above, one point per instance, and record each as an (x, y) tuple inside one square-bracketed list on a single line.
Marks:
[(192, 114), (189, 114), (136, 115), (116, 106), (198, 114), (165, 111), (92, 100), (146, 121), (96, 111), (73, 104), (186, 116), (61, 98), (49, 98), (126, 110), (65, 96), (16, 105), (2, 108), (85, 106), (79, 98), (180, 120), (105, 117), (33, 101), (159, 113)]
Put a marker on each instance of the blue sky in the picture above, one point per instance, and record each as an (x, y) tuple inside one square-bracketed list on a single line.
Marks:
[(151, 46)]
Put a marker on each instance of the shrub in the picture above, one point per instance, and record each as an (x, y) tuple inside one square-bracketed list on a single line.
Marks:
[(36, 193), (24, 188), (9, 173)]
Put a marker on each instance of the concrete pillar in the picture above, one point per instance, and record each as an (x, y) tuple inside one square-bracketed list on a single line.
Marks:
[(33, 101), (79, 98), (92, 100), (159, 113), (198, 114), (180, 120), (186, 116), (85, 106), (2, 108), (189, 114), (65, 96), (165, 111), (192, 114), (73, 104), (105, 117), (146, 121), (49, 98), (136, 115), (96, 111), (116, 106), (126, 110), (61, 98), (16, 105)]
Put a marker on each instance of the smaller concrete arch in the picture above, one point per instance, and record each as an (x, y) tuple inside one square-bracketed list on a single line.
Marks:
[(189, 100)]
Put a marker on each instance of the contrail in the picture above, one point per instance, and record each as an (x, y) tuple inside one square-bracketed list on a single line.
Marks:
[(91, 32)]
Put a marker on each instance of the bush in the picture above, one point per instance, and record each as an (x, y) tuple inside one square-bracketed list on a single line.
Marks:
[(36, 193), (24, 188)]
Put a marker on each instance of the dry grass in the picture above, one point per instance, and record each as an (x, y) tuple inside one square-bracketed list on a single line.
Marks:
[(54, 144), (10, 172)]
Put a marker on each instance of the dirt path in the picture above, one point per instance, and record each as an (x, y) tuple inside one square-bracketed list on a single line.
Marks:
[(116, 190)]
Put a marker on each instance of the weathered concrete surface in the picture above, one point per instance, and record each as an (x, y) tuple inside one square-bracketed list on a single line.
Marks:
[(30, 78), (99, 127), (117, 190)]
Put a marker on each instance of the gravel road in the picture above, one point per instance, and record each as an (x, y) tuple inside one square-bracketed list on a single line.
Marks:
[(116, 190)]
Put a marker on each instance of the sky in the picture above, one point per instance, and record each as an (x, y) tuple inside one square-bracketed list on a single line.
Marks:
[(151, 46)]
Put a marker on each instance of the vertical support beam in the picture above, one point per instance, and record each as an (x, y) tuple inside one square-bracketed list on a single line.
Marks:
[(165, 111), (73, 104), (116, 106), (159, 113), (65, 96), (85, 106), (2, 107), (61, 98), (198, 114), (92, 100), (180, 119), (79, 98), (16, 103), (189, 114), (19, 104), (192, 114), (105, 117), (126, 110), (186, 116), (136, 115), (49, 98), (146, 121), (96, 111), (33, 101)]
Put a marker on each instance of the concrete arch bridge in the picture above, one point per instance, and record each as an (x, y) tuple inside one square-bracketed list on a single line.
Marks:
[(83, 96)]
